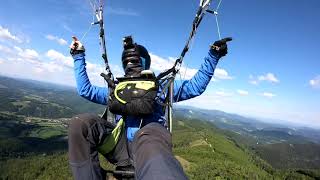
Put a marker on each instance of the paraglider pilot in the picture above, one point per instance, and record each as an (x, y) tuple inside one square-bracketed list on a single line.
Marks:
[(139, 141)]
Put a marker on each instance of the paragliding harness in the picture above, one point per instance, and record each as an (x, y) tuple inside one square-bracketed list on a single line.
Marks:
[(134, 96), (130, 94)]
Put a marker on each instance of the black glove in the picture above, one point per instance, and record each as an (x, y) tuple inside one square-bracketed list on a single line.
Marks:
[(220, 47), (76, 47)]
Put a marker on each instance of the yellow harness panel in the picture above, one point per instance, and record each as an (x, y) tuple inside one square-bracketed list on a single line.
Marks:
[(144, 85)]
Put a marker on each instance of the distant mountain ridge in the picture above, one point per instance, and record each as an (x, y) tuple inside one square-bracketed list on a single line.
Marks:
[(252, 127), (281, 146)]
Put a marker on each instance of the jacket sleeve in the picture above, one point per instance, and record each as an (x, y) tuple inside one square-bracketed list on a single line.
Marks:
[(188, 89), (84, 87)]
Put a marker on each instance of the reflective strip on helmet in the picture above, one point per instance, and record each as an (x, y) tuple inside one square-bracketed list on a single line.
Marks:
[(111, 140)]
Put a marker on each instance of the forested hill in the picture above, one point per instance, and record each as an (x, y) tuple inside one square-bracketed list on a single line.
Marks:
[(38, 99), (282, 146)]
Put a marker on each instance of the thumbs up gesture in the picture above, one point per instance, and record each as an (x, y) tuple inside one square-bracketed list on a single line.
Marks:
[(76, 46)]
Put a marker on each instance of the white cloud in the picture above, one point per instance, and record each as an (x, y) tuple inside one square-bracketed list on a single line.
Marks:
[(59, 57), (211, 100), (34, 60), (221, 74), (5, 50), (28, 54), (159, 64), (66, 27), (38, 70), (51, 37), (16, 53), (62, 41), (121, 11), (315, 82), (187, 73), (5, 34), (268, 94), (91, 66), (58, 70), (254, 82), (269, 77), (57, 39), (242, 92), (18, 49), (54, 67), (223, 94), (60, 62), (116, 70)]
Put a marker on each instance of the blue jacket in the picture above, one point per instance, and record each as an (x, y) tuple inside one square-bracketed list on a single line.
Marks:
[(188, 89)]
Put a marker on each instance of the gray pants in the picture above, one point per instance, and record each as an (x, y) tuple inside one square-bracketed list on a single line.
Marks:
[(150, 152)]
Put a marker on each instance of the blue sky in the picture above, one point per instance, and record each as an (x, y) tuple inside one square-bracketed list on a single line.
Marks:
[(272, 70)]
